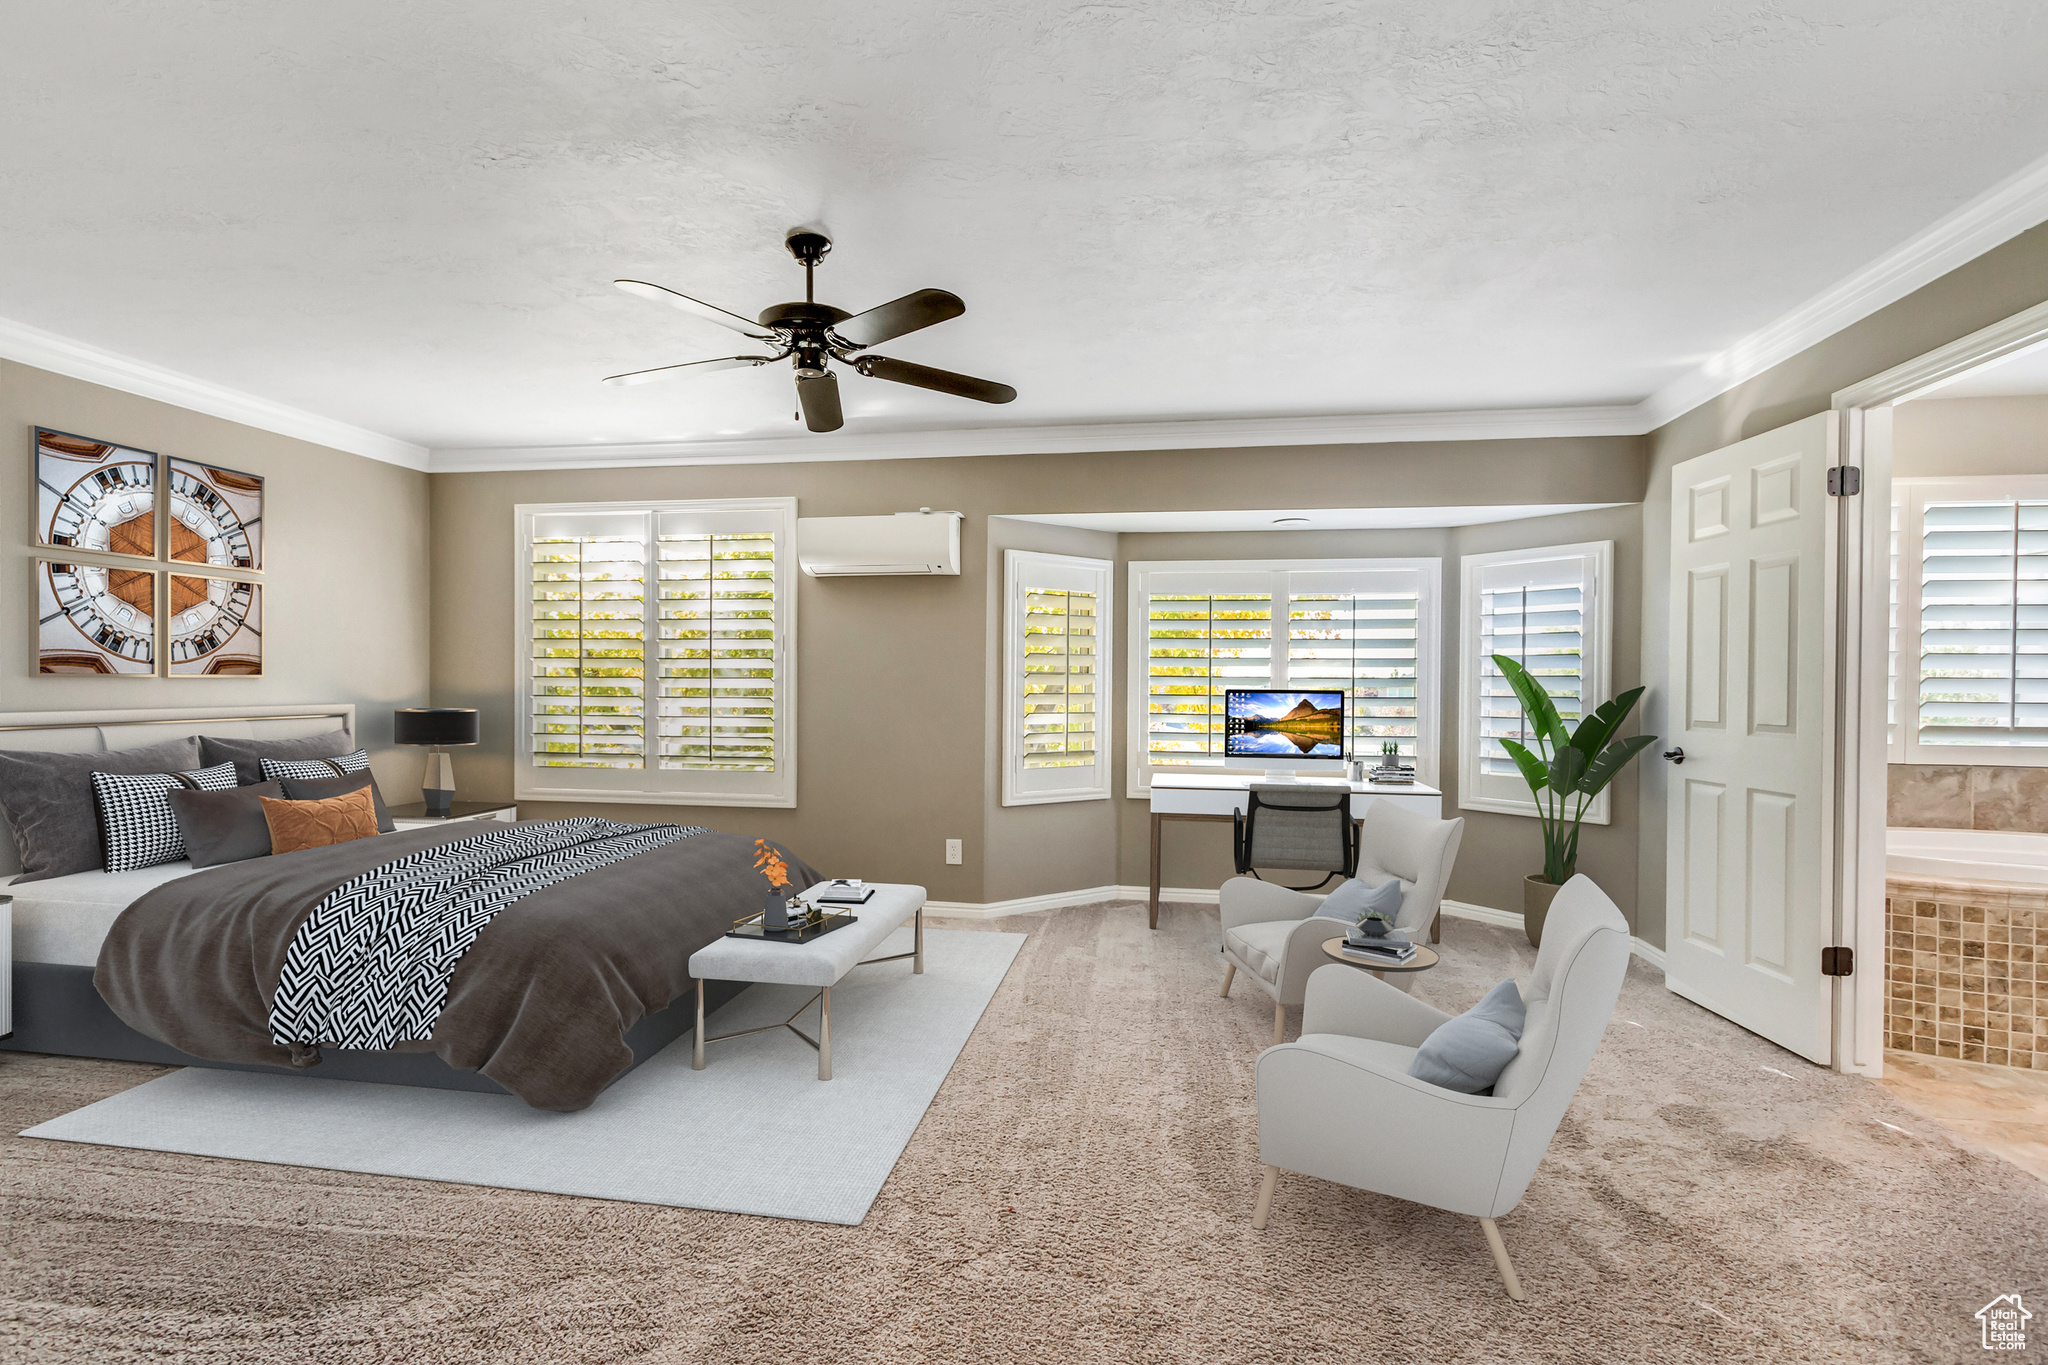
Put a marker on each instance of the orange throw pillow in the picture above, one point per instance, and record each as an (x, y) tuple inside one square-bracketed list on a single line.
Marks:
[(296, 825)]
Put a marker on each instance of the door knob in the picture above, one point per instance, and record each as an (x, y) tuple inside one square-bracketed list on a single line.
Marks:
[(1675, 755)]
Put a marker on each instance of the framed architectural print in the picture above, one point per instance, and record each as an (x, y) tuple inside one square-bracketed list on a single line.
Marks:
[(96, 618), (94, 495), (214, 627), (216, 516)]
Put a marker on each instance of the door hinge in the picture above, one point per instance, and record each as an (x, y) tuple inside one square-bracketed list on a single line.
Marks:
[(1837, 961), (1845, 481)]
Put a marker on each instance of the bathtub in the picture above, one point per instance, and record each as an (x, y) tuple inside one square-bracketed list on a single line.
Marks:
[(1967, 855)]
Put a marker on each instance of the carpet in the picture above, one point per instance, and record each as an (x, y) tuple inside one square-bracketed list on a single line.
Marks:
[(1079, 1191), (755, 1132)]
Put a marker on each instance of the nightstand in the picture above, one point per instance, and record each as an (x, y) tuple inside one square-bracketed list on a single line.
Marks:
[(415, 816)]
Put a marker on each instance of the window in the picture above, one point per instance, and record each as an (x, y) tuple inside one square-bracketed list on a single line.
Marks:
[(1970, 657), (656, 653), (1055, 621), (1550, 611), (1365, 627)]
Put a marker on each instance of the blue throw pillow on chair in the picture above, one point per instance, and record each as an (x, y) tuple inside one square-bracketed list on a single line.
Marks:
[(1354, 900), (1468, 1053)]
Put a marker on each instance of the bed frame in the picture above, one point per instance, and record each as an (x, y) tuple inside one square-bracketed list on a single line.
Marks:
[(57, 1009)]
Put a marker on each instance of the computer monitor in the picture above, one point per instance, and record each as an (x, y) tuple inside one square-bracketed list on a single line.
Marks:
[(1283, 732)]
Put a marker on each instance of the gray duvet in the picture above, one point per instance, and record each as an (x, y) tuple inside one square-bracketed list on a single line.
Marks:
[(540, 1003)]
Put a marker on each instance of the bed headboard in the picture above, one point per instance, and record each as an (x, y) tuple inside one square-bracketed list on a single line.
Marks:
[(81, 732)]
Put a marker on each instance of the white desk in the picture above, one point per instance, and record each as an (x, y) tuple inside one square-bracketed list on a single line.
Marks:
[(1220, 796)]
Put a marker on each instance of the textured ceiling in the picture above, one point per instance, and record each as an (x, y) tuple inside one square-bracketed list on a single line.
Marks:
[(406, 217)]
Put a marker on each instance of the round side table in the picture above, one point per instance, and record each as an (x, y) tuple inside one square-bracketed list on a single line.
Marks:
[(1425, 958)]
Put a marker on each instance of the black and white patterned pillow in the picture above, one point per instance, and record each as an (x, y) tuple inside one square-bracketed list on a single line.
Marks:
[(137, 828), (308, 770)]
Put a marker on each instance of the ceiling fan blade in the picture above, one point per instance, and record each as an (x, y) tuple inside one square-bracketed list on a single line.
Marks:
[(893, 319), (820, 398), (733, 362), (710, 312), (925, 377)]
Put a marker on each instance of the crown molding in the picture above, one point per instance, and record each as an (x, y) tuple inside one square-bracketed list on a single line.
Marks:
[(1998, 215), (61, 355), (1214, 434)]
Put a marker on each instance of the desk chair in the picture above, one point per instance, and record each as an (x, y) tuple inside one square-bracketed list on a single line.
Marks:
[(1287, 826)]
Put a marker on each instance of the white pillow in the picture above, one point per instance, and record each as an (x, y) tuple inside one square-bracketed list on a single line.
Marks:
[(1354, 900)]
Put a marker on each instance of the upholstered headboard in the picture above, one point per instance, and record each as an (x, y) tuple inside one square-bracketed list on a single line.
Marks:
[(79, 732)]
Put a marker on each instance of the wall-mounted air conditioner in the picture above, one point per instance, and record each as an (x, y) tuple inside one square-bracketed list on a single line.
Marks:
[(922, 542)]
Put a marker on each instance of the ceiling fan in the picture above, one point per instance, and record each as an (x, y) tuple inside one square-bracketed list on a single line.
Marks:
[(816, 333)]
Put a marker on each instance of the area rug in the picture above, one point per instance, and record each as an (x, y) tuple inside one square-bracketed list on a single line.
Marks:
[(755, 1132)]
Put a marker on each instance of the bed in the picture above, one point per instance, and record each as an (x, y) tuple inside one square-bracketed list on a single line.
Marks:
[(569, 978)]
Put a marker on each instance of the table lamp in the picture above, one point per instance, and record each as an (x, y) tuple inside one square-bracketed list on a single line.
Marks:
[(438, 727)]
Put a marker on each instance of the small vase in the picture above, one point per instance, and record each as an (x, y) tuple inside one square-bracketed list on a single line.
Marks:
[(777, 914), (1536, 897)]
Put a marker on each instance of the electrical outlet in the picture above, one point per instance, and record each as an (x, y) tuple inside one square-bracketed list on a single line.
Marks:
[(953, 852)]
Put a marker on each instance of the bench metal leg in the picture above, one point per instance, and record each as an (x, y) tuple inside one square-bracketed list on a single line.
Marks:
[(825, 1038), (697, 1043)]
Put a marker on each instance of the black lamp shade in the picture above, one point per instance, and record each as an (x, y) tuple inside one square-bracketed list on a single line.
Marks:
[(440, 725)]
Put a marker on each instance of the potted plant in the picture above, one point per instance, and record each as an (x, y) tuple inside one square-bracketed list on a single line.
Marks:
[(1565, 772)]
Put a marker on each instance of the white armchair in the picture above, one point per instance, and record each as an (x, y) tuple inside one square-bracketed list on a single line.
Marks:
[(1266, 928), (1337, 1103)]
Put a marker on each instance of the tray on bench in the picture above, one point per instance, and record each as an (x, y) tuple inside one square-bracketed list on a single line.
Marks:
[(802, 928)]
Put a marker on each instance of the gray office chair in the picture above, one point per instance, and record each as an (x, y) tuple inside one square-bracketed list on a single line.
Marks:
[(1295, 827)]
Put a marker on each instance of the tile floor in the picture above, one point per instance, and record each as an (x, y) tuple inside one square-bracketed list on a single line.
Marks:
[(1998, 1108)]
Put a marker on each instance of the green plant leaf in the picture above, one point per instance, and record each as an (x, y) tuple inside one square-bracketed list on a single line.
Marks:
[(1613, 760), (1567, 767), (1595, 730), (1533, 771), (1536, 702)]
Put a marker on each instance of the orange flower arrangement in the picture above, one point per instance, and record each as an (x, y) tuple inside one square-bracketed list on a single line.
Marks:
[(769, 864)]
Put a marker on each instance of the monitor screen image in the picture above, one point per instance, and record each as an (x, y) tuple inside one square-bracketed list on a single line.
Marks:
[(1283, 724)]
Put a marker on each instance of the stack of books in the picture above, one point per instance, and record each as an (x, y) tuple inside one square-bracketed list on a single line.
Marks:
[(1391, 952), (1399, 775), (842, 891)]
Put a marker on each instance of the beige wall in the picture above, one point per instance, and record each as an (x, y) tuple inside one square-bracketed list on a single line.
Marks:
[(345, 584), (869, 804), (1945, 437), (2008, 280)]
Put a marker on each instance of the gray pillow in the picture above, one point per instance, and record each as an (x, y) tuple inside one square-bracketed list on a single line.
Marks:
[(224, 827), (1468, 1053), (47, 801), (1354, 900), (246, 754), (322, 788)]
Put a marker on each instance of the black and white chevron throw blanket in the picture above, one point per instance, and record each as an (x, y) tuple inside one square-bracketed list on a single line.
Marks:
[(370, 966)]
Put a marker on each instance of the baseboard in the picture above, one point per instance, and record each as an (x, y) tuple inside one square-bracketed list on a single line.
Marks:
[(1484, 914), (1507, 919)]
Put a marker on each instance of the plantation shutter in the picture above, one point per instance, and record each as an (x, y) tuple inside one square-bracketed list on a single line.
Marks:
[(717, 662), (1200, 640), (656, 663), (1360, 633), (1983, 624), (1055, 624), (1541, 608), (588, 620)]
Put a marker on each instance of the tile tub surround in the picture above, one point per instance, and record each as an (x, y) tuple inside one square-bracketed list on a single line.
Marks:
[(1964, 975), (1944, 796)]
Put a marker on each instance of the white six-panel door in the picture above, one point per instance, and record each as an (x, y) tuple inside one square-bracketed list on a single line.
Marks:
[(1748, 892)]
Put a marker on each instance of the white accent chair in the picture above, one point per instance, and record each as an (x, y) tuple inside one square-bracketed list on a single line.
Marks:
[(1340, 1105), (1266, 929)]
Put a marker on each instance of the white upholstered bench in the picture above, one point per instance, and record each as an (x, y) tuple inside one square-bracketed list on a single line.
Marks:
[(820, 962)]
